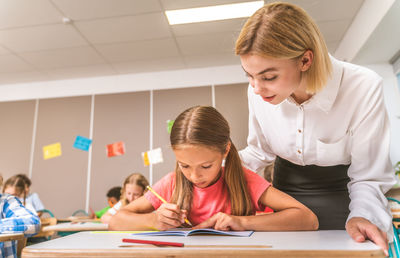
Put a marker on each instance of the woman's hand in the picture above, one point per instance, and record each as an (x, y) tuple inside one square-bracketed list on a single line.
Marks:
[(222, 221), (168, 215), (361, 229)]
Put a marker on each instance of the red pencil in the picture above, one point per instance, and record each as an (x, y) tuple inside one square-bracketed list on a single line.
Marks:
[(161, 243)]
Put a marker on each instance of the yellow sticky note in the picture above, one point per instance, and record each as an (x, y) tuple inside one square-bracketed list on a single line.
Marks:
[(145, 158), (52, 150)]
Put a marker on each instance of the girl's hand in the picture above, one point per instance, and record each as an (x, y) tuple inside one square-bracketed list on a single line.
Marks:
[(222, 221), (361, 229), (168, 215)]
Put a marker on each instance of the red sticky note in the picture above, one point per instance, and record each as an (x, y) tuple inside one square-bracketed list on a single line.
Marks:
[(115, 149)]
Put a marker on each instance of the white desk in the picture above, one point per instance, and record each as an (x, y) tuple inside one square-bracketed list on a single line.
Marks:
[(76, 226), (266, 244)]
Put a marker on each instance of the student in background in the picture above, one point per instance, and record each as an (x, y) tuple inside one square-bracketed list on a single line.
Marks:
[(209, 194), (16, 186), (32, 198), (133, 187), (113, 196), (15, 218)]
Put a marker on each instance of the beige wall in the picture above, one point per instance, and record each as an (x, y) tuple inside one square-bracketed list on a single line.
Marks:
[(62, 182), (16, 129)]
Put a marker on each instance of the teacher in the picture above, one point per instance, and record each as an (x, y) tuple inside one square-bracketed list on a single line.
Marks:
[(323, 121)]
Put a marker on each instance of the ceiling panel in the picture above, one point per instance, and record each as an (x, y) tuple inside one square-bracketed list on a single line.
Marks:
[(215, 59), (139, 50), (4, 51), (207, 44), (66, 57), (208, 27), (21, 77), (41, 38), (126, 28), (323, 10), (18, 13), (149, 65), (81, 71), (182, 4), (13, 64), (91, 9), (334, 30)]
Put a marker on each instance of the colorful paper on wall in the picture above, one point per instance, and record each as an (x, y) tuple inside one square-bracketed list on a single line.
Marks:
[(51, 151), (152, 156), (116, 149), (145, 158), (82, 143), (170, 123)]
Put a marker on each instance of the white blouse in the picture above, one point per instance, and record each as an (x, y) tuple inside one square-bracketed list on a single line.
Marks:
[(345, 123)]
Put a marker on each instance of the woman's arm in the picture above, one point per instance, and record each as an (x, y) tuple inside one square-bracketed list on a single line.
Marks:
[(289, 215), (139, 215)]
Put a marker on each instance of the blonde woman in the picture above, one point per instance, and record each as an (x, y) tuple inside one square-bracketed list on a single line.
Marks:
[(322, 119), (208, 194)]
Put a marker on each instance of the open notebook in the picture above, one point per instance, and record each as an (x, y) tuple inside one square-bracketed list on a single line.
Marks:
[(203, 231)]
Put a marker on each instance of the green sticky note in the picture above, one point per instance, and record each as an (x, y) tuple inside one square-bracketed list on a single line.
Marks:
[(170, 123)]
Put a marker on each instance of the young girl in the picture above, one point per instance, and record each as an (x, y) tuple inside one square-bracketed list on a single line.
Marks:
[(134, 186), (17, 186), (15, 218), (208, 194), (32, 199)]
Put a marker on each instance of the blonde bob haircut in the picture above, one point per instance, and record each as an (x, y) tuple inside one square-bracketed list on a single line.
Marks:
[(286, 31)]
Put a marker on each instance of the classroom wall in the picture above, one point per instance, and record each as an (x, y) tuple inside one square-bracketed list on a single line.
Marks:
[(391, 94), (78, 179)]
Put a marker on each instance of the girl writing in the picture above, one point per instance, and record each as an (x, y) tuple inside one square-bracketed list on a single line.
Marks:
[(209, 194)]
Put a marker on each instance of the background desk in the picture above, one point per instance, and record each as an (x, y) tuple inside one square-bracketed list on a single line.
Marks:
[(335, 243), (76, 226), (13, 236)]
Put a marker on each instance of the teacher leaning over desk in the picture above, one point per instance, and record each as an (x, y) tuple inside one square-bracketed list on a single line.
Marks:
[(323, 121)]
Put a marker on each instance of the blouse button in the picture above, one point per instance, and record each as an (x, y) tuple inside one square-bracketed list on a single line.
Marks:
[(299, 151), (299, 130)]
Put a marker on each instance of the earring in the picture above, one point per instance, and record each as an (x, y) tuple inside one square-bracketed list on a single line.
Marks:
[(223, 163)]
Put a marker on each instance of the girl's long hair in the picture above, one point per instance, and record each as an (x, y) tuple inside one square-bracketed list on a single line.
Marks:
[(205, 126), (136, 179)]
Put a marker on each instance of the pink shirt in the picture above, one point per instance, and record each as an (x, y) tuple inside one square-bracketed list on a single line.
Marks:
[(210, 200)]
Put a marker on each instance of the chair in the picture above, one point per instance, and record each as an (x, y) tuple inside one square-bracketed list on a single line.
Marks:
[(45, 211), (83, 212), (46, 222)]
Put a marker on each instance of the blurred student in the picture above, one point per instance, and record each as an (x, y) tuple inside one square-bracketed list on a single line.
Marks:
[(113, 196), (134, 186), (32, 199), (15, 218), (16, 185)]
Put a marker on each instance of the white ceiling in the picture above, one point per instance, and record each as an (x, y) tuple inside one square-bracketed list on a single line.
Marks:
[(110, 37), (384, 42)]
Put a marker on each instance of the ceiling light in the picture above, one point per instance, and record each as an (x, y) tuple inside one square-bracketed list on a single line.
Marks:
[(213, 13)]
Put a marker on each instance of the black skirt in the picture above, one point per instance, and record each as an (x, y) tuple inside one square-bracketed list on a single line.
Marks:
[(322, 189)]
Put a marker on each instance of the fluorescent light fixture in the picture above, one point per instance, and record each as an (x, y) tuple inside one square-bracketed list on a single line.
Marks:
[(213, 13)]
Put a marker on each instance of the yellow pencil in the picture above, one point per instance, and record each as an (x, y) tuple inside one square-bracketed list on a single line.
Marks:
[(164, 201)]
